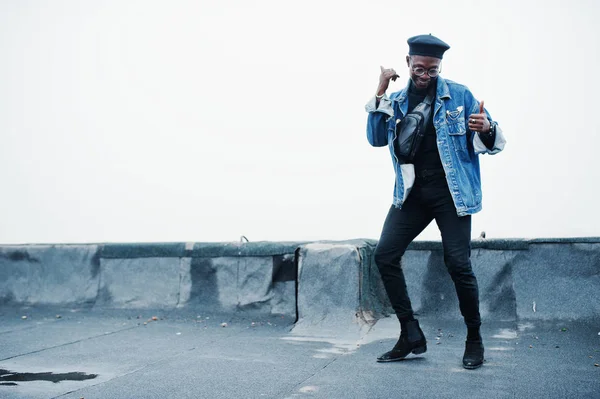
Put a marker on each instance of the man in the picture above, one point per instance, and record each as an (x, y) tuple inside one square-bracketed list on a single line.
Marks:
[(441, 181)]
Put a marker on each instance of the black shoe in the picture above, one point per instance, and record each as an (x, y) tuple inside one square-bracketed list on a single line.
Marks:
[(411, 341), (473, 357)]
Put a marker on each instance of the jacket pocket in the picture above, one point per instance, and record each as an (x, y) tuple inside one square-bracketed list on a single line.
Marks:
[(458, 135)]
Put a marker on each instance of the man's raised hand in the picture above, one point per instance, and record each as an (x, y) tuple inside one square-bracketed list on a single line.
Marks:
[(384, 79), (479, 122)]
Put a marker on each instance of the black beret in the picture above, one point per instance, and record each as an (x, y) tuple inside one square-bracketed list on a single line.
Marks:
[(427, 45)]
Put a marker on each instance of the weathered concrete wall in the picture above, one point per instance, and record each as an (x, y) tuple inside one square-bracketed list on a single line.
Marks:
[(539, 279), (215, 277), (328, 286), (322, 283), (340, 283), (562, 278), (49, 274)]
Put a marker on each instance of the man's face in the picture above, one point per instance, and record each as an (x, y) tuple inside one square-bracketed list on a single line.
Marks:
[(418, 64)]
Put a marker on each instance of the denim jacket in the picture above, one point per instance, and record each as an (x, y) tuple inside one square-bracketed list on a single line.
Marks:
[(459, 147)]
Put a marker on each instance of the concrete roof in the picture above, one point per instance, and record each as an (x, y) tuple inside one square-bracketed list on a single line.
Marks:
[(115, 354), (291, 320)]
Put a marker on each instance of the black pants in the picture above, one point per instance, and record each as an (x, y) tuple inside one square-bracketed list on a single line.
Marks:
[(429, 199)]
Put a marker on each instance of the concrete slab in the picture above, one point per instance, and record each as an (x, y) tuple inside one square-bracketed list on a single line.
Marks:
[(139, 283), (328, 287), (49, 274)]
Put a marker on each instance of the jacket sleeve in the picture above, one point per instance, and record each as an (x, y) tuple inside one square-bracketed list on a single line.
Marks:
[(377, 121), (496, 147), (478, 144)]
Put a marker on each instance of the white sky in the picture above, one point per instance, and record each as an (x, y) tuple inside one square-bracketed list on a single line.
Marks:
[(205, 120)]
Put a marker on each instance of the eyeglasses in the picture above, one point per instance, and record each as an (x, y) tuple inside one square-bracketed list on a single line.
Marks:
[(432, 72)]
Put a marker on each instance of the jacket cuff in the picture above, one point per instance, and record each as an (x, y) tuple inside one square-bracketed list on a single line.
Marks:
[(499, 143), (385, 106)]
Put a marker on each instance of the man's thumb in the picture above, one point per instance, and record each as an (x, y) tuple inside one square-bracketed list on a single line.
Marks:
[(481, 107)]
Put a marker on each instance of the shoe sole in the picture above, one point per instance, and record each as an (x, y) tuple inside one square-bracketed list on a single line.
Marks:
[(473, 367), (416, 351)]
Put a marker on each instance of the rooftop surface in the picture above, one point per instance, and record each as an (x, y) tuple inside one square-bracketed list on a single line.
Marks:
[(66, 353), (291, 320)]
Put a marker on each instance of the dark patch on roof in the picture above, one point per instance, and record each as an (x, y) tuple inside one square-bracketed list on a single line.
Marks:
[(284, 268), (19, 256), (6, 375), (95, 262)]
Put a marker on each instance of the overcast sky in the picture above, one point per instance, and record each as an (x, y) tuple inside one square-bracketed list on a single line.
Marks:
[(207, 120)]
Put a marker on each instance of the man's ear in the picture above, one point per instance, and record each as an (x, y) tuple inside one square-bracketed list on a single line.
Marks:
[(408, 60)]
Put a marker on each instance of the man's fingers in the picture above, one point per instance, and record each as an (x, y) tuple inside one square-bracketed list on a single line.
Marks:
[(481, 107), (382, 69)]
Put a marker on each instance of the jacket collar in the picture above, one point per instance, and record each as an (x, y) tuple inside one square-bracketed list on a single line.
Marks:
[(442, 88)]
